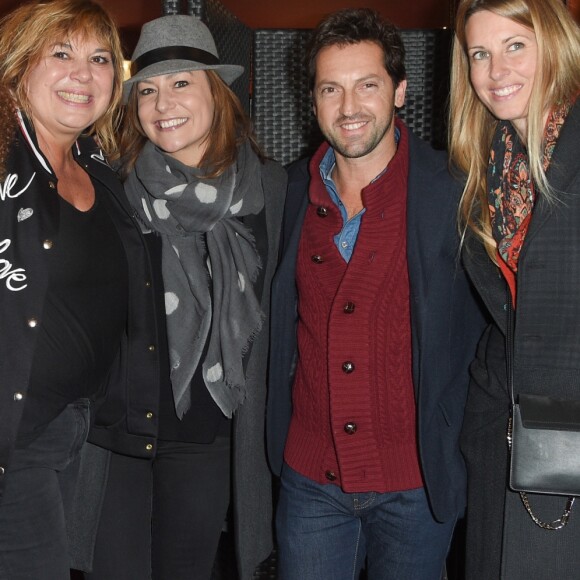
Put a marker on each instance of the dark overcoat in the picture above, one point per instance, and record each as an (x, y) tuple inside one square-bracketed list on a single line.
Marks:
[(502, 540), (252, 480), (446, 323)]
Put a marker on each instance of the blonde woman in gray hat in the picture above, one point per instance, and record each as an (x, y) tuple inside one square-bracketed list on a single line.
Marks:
[(197, 178)]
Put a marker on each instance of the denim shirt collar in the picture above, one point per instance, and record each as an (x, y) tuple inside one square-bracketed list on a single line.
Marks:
[(329, 161)]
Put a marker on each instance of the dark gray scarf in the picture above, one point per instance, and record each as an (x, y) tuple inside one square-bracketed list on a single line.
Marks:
[(210, 263)]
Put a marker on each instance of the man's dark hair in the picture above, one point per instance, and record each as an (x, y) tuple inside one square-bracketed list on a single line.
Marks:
[(355, 25)]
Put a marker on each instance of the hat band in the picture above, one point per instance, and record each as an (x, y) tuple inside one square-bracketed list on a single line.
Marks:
[(172, 53)]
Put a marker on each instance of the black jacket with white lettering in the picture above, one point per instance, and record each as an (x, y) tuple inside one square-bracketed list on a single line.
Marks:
[(126, 422)]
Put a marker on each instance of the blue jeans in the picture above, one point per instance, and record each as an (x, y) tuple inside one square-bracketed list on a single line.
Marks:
[(40, 482), (324, 532)]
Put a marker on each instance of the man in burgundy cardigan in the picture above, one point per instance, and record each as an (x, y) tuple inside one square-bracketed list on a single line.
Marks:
[(373, 328)]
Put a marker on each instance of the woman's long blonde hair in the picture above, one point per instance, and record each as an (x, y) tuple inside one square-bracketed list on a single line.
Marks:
[(25, 35), (471, 125)]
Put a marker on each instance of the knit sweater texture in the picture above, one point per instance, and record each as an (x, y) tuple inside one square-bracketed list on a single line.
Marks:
[(353, 421)]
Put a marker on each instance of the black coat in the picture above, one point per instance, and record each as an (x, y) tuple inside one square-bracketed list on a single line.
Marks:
[(29, 228), (446, 323), (502, 540), (251, 489)]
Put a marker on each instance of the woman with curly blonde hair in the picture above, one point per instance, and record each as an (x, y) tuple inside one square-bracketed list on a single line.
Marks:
[(72, 272), (514, 134)]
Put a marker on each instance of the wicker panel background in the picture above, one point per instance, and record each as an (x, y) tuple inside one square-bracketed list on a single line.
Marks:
[(281, 108), (233, 39), (281, 105)]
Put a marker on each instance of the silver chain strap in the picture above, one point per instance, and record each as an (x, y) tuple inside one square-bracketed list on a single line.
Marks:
[(558, 524)]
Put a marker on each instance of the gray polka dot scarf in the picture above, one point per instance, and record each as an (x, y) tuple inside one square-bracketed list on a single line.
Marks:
[(210, 263)]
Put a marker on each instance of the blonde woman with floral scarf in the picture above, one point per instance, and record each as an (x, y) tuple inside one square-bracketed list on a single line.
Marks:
[(515, 130)]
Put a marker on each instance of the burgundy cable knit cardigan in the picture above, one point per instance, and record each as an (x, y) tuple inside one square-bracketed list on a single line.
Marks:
[(354, 410)]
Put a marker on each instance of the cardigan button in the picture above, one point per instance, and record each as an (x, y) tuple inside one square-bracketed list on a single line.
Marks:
[(147, 284), (32, 322), (347, 367), (18, 396), (47, 244), (52, 185), (348, 308), (322, 211), (151, 348), (1, 470), (317, 259), (330, 475), (149, 447), (149, 415), (350, 428)]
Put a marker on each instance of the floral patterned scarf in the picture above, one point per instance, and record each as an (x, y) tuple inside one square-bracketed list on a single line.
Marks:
[(511, 192)]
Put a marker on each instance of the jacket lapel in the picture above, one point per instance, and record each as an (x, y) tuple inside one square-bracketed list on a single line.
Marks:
[(486, 277), (425, 234), (294, 214), (561, 172)]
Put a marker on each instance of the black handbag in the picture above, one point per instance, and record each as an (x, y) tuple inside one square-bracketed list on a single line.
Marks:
[(544, 441)]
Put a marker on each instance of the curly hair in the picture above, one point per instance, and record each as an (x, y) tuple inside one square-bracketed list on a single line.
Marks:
[(352, 26), (27, 32), (8, 127)]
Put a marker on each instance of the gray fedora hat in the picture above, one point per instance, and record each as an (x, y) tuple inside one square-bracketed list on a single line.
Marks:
[(176, 43)]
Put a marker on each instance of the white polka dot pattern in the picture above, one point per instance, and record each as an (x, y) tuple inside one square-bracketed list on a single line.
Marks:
[(160, 208), (146, 210), (205, 193), (234, 209), (178, 189), (210, 260), (171, 302), (214, 373), (175, 359)]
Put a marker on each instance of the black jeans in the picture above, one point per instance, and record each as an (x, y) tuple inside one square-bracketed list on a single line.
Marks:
[(40, 483), (166, 515)]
